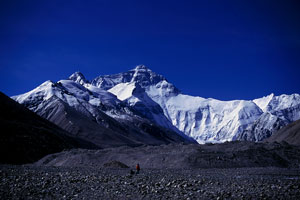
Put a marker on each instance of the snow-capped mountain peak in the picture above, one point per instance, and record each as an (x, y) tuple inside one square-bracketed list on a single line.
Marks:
[(146, 77), (156, 99), (97, 114), (78, 77), (263, 102), (45, 90), (140, 75), (206, 120), (141, 68)]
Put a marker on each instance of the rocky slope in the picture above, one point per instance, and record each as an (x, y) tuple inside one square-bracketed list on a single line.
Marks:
[(26, 137), (178, 156), (289, 134)]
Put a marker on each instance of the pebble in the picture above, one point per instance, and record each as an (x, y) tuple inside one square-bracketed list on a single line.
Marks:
[(31, 182)]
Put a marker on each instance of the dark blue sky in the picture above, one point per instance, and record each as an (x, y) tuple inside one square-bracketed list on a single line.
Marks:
[(220, 49)]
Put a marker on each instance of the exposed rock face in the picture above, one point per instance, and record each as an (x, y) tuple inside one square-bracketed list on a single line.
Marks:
[(78, 77), (262, 128), (289, 134), (141, 75), (279, 111)]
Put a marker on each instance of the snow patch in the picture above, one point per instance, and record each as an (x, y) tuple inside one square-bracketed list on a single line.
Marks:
[(123, 90), (263, 102)]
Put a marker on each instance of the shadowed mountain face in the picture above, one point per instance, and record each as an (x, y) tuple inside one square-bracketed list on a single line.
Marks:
[(26, 137), (103, 130), (289, 134), (98, 116)]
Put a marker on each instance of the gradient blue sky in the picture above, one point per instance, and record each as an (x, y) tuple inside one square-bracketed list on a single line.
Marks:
[(220, 49)]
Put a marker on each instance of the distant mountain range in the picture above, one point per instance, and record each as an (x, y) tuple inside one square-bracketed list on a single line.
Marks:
[(141, 107)]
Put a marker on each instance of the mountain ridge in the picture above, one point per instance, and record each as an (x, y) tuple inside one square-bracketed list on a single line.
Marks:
[(203, 119), (96, 114)]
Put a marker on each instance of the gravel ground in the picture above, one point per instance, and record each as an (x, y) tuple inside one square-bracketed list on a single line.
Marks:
[(31, 182)]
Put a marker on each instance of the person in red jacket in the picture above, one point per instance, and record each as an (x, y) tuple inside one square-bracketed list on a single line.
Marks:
[(137, 168)]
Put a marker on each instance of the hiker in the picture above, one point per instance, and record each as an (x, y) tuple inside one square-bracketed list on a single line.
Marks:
[(137, 168)]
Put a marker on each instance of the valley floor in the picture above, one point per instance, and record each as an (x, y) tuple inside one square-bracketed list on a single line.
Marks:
[(32, 182)]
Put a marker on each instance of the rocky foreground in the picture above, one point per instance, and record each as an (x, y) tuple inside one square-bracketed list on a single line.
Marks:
[(44, 182)]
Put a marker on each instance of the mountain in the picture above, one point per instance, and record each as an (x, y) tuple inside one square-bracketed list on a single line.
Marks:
[(206, 120), (26, 137), (289, 134), (96, 115), (278, 112), (144, 94), (262, 128)]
